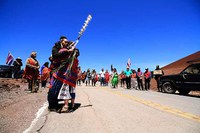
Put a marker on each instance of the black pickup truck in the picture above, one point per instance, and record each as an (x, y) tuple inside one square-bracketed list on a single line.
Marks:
[(6, 71), (186, 81)]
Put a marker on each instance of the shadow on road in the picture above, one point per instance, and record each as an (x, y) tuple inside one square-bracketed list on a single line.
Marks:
[(86, 106), (188, 95), (76, 106), (71, 109)]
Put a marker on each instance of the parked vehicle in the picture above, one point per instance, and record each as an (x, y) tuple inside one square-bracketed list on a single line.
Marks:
[(186, 81), (6, 71)]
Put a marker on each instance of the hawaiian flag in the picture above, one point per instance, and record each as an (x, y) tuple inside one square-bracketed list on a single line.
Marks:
[(9, 59), (129, 63)]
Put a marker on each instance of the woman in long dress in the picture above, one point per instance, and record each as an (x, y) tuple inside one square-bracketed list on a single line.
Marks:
[(115, 78), (32, 72)]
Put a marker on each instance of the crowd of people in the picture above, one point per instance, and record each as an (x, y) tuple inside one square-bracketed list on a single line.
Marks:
[(63, 74), (129, 78), (31, 73)]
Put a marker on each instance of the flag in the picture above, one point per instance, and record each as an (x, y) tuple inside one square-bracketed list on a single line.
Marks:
[(129, 63), (9, 59)]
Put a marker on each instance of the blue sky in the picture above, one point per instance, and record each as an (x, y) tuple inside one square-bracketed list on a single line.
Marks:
[(149, 32)]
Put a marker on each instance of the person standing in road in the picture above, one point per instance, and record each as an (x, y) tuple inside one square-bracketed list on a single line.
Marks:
[(139, 79), (79, 76), (17, 67), (45, 74), (157, 73), (134, 83), (115, 78), (107, 77), (83, 77), (65, 74), (51, 66), (122, 78), (147, 79), (128, 73), (102, 77), (94, 75), (88, 77)]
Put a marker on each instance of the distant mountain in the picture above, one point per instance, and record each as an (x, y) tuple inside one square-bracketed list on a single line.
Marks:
[(179, 65)]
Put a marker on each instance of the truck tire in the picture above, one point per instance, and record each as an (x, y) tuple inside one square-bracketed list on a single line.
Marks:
[(168, 88)]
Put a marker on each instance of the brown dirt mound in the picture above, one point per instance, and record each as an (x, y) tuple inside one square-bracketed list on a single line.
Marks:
[(179, 65), (18, 106), (10, 88)]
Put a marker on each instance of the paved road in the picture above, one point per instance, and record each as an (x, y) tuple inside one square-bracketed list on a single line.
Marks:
[(107, 110)]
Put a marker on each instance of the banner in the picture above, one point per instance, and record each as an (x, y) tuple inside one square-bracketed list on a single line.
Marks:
[(9, 59)]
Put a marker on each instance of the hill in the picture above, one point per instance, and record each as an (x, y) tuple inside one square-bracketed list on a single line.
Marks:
[(179, 65)]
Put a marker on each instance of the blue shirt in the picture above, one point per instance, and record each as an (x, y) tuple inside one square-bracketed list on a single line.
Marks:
[(128, 73), (41, 69)]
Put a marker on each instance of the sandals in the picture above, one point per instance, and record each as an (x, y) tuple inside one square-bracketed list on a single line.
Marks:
[(64, 109), (67, 109)]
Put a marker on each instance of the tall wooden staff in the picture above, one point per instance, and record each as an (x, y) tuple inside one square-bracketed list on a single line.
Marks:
[(76, 42), (82, 30)]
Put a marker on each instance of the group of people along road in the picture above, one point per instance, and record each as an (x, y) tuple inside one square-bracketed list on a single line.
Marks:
[(132, 79), (65, 73), (129, 78)]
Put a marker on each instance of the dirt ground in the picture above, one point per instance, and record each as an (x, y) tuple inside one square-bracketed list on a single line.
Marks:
[(17, 105)]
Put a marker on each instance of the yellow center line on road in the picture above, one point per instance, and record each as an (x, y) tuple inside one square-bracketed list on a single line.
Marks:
[(174, 111)]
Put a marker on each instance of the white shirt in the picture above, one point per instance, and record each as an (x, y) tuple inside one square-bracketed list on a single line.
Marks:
[(102, 74)]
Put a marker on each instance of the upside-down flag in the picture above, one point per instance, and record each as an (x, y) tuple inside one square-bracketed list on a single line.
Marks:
[(129, 63), (9, 59)]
